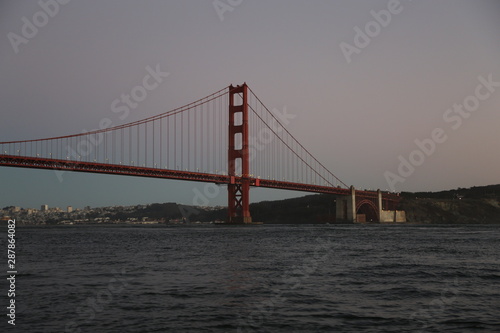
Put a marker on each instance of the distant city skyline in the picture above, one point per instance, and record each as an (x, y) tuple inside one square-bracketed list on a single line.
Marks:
[(395, 95)]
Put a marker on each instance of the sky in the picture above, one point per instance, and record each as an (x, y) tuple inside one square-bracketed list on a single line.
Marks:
[(397, 95)]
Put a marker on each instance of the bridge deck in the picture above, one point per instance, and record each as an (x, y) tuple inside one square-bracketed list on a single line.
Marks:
[(127, 170)]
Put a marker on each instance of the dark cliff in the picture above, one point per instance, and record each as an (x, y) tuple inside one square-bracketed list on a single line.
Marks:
[(472, 205)]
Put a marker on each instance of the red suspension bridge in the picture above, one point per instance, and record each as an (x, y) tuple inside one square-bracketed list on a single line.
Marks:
[(229, 137)]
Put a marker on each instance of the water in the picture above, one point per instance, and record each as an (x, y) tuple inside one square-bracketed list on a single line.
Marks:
[(328, 278)]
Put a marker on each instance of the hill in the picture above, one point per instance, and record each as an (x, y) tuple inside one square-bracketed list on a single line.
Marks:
[(479, 204)]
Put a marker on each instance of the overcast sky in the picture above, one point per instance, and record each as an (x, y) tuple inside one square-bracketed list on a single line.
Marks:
[(361, 99)]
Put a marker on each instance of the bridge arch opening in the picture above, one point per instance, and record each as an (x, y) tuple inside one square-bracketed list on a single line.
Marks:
[(366, 211)]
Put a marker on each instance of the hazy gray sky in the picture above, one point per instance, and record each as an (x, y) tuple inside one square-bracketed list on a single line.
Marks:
[(360, 104)]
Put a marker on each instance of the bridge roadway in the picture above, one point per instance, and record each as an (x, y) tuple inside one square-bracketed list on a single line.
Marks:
[(127, 170)]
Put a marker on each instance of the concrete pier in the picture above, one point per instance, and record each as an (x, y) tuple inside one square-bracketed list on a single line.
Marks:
[(350, 211)]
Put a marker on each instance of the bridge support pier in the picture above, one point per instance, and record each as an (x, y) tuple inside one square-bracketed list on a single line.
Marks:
[(379, 205), (346, 207), (366, 209), (238, 157)]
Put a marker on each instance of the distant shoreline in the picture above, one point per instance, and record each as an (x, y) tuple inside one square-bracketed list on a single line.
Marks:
[(476, 205)]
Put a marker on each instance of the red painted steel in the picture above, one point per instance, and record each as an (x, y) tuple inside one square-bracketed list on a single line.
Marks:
[(115, 169), (238, 206)]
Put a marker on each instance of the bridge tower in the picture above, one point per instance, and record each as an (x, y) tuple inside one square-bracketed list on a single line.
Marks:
[(238, 156)]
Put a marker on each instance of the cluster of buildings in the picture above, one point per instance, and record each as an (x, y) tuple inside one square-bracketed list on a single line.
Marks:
[(115, 214), (38, 216)]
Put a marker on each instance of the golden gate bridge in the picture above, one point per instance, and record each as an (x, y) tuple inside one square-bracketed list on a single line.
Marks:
[(229, 137)]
